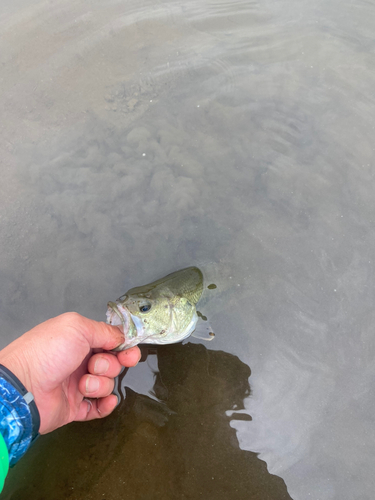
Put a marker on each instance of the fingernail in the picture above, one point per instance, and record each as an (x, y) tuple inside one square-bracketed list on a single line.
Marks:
[(92, 384), (101, 366), (89, 404)]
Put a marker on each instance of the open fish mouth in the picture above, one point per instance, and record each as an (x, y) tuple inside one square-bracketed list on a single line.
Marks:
[(120, 316), (117, 315)]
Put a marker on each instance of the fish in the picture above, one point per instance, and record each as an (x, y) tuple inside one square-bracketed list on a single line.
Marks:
[(161, 312)]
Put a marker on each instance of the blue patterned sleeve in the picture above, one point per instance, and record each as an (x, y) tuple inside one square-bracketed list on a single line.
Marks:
[(16, 424)]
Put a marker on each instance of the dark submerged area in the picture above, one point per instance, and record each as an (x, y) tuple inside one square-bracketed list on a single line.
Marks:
[(181, 446)]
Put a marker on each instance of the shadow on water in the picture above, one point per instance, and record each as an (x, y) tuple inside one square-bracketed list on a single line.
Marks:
[(178, 446)]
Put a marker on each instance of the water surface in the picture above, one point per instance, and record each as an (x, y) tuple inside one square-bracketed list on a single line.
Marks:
[(138, 138)]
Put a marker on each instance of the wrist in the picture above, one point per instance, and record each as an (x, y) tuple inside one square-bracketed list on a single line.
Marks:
[(19, 416), (13, 358), (27, 398)]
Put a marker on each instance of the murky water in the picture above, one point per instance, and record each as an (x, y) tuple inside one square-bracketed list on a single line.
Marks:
[(138, 138)]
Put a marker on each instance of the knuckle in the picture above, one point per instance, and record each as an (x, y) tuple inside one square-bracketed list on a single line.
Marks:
[(72, 318)]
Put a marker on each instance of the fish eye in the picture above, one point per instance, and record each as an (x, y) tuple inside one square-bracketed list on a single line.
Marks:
[(145, 308)]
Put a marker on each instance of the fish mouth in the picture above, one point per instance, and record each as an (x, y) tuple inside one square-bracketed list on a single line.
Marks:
[(116, 317), (120, 316)]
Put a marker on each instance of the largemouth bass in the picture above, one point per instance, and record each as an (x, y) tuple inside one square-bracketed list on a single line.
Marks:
[(162, 312)]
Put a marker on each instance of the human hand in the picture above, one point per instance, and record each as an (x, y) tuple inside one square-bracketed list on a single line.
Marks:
[(57, 361)]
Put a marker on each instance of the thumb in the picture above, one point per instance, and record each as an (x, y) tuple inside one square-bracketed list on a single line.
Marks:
[(99, 334)]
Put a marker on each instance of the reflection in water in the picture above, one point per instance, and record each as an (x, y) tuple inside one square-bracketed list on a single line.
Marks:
[(179, 446)]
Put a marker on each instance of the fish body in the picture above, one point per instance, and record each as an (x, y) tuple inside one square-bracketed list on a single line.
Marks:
[(162, 312)]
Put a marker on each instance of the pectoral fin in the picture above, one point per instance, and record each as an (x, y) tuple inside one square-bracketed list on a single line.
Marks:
[(203, 331)]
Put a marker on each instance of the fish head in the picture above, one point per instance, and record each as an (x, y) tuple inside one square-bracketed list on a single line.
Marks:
[(162, 312), (152, 315)]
